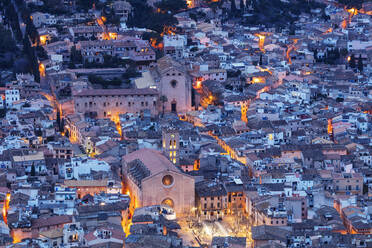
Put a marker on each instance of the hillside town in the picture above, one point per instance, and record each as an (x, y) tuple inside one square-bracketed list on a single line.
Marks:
[(185, 124)]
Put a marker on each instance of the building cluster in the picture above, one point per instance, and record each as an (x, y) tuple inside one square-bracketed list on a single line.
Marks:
[(235, 136)]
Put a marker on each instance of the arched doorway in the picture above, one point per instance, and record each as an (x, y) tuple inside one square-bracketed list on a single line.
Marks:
[(168, 201), (174, 106)]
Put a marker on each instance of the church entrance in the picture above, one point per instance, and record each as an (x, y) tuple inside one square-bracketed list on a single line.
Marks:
[(174, 106)]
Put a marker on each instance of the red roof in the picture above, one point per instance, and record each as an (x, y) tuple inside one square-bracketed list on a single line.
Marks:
[(116, 92), (51, 221)]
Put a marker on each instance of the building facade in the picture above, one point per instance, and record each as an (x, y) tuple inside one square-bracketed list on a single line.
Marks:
[(107, 103), (152, 179)]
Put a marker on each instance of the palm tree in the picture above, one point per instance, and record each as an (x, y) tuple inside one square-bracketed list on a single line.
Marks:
[(163, 99)]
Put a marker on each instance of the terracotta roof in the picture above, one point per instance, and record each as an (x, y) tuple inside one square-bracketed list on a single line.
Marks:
[(53, 233), (153, 160), (116, 92), (51, 221)]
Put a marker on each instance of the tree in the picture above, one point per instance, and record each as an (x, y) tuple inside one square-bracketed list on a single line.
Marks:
[(6, 41), (76, 56), (58, 119), (62, 126), (33, 170), (233, 8), (352, 3), (352, 62), (163, 99), (242, 6), (172, 5), (360, 63)]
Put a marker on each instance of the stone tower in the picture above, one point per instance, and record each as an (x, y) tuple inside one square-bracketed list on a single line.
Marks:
[(171, 144)]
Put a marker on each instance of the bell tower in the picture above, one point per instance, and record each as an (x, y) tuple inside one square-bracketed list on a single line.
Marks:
[(171, 144)]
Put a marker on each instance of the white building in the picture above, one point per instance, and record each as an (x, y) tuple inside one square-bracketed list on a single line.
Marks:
[(11, 96), (83, 166)]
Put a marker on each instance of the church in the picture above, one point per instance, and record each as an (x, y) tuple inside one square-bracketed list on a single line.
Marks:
[(171, 80), (166, 86), (152, 179)]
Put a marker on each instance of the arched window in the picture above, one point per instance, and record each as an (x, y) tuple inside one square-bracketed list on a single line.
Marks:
[(173, 83), (169, 202)]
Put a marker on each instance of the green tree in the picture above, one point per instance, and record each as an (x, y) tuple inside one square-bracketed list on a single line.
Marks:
[(352, 62), (58, 119), (7, 43), (352, 3), (242, 6), (163, 100), (172, 5), (360, 63), (233, 9), (33, 170), (75, 56)]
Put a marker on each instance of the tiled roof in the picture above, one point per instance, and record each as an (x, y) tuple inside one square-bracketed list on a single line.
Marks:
[(116, 92)]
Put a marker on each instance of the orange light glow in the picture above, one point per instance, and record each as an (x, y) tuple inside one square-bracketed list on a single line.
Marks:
[(198, 84), (264, 89), (257, 80), (113, 36), (330, 30), (189, 3), (101, 22), (243, 111), (168, 30), (330, 127), (261, 42), (42, 69), (153, 43), (196, 164), (43, 39), (6, 208), (348, 59), (290, 48), (116, 120), (352, 12), (265, 69), (344, 24)]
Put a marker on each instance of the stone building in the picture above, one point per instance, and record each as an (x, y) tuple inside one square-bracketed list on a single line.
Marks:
[(171, 140), (109, 103), (173, 82), (211, 200), (152, 179)]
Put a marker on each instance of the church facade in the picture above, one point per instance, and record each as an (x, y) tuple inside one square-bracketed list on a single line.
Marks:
[(168, 86), (174, 83), (152, 179)]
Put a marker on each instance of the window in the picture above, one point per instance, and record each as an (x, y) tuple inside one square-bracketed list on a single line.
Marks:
[(167, 180), (173, 83)]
